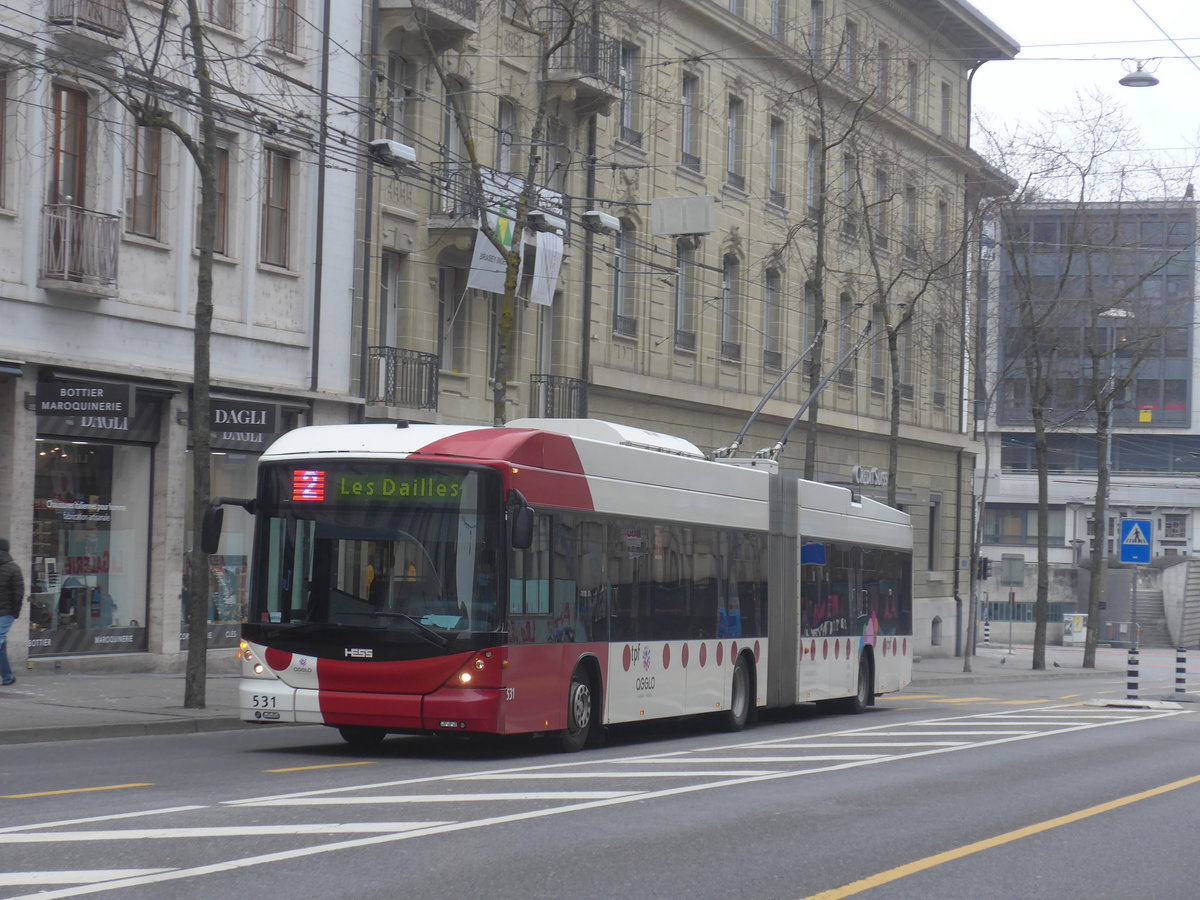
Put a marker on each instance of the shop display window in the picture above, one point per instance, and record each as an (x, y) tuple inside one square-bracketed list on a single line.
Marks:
[(88, 581)]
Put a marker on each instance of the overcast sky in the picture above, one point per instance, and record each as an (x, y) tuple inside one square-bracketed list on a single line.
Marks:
[(1071, 46)]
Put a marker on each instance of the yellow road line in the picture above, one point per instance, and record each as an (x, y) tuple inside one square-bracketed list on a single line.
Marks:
[(365, 762), (908, 696), (1019, 702), (929, 862), (107, 787), (962, 700)]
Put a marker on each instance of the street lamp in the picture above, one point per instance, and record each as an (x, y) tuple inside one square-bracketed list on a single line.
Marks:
[(1101, 526), (1139, 77)]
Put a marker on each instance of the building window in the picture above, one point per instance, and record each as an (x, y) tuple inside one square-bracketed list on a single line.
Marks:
[(3, 137), (731, 312), (220, 12), (847, 373), (879, 350), (947, 119), (689, 124), (624, 317), (779, 11), (850, 50), (69, 156), (943, 231), (506, 130), (880, 221), (939, 365), (221, 221), (816, 28), (281, 32), (776, 191), (1018, 525), (276, 208), (912, 79), (911, 228), (143, 170), (813, 178), (558, 155), (883, 73), (628, 113), (809, 323), (1175, 526), (400, 108), (735, 124), (849, 201), (904, 350), (772, 321), (685, 299), (452, 317), (933, 535), (738, 7)]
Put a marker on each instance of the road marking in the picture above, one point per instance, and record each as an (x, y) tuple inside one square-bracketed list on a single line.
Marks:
[(442, 798), (77, 876), (1021, 702), (929, 862), (365, 762), (214, 831), (689, 773), (963, 700), (848, 744), (320, 796), (948, 733), (107, 787), (108, 818)]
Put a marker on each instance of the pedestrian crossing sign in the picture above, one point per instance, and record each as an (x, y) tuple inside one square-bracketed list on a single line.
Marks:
[(1136, 540)]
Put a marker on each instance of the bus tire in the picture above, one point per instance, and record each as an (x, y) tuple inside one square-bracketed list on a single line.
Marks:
[(580, 709), (863, 695), (362, 737), (735, 718)]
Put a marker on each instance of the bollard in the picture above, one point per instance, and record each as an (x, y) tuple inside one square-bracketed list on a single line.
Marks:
[(987, 633), (1131, 675), (1181, 670)]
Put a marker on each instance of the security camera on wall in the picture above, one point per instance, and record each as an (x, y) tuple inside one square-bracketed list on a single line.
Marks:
[(601, 222), (392, 153)]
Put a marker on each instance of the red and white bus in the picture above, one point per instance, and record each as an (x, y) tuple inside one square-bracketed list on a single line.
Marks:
[(556, 575)]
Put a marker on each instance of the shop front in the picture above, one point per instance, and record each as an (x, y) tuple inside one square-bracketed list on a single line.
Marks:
[(93, 489), (242, 429)]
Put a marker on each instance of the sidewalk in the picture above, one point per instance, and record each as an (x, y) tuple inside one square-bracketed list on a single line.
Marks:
[(56, 706)]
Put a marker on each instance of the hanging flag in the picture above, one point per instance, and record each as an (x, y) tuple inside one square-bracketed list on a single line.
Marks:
[(488, 266), (545, 268)]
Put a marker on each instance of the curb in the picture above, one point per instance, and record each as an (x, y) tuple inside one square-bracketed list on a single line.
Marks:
[(119, 729)]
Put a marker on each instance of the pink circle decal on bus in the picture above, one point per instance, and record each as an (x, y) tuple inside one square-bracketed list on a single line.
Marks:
[(884, 645), (683, 656), (758, 651), (733, 650), (720, 653), (703, 654), (904, 647), (625, 658), (837, 649), (825, 649), (812, 649), (848, 648), (277, 659), (666, 656)]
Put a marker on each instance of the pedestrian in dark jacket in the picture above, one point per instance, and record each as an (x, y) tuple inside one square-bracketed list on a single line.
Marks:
[(12, 594)]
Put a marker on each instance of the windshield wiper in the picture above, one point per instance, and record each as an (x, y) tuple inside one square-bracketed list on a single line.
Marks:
[(439, 640)]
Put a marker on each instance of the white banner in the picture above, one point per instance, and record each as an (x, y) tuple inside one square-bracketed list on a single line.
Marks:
[(545, 268), (487, 266)]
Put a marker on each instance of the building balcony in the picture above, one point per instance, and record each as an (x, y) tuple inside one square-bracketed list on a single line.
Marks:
[(460, 197), (448, 21), (558, 397), (79, 248), (400, 377), (589, 63), (105, 17)]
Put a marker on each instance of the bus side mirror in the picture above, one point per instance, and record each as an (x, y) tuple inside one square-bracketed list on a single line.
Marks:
[(522, 528), (210, 530)]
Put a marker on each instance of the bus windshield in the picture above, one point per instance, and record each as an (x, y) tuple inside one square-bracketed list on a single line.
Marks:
[(400, 547)]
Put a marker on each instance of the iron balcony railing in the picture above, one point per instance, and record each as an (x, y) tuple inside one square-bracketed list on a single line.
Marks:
[(558, 397), (104, 16), (79, 244), (464, 9), (588, 54), (400, 377)]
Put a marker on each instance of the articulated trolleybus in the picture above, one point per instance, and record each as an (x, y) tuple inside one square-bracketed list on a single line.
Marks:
[(557, 575)]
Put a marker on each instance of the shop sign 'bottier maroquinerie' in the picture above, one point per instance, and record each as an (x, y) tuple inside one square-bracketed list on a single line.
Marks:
[(95, 404)]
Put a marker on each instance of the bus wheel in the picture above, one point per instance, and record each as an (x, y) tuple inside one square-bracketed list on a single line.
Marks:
[(579, 713), (734, 718), (362, 736), (863, 696)]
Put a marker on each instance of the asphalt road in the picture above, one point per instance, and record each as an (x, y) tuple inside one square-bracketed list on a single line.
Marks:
[(999, 790)]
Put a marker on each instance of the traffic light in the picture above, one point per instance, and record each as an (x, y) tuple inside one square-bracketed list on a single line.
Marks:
[(985, 568)]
